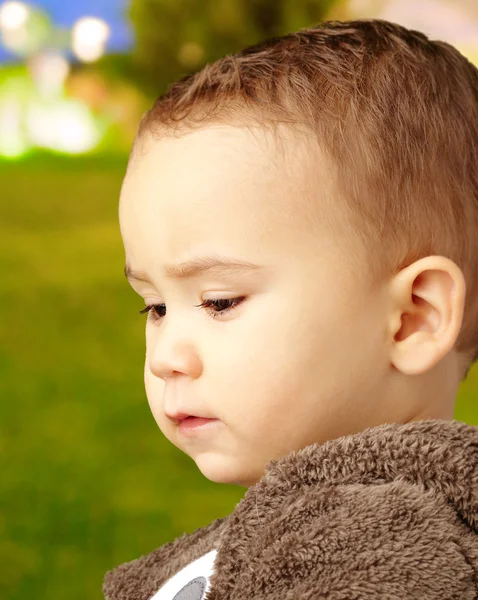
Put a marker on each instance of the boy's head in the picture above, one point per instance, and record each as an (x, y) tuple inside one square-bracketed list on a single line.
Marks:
[(341, 161)]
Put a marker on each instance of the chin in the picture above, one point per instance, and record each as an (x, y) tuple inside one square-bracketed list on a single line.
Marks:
[(219, 470)]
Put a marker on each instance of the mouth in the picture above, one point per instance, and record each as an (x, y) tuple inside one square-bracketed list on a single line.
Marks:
[(191, 418), (179, 417)]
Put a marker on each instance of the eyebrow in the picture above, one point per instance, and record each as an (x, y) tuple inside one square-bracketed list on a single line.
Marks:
[(191, 268)]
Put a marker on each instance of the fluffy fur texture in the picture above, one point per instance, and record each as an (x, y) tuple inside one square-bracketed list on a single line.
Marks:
[(389, 513)]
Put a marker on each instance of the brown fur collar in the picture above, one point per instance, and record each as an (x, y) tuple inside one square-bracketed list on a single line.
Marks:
[(387, 513)]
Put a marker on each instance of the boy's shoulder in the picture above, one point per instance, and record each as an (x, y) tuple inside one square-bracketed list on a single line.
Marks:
[(391, 512), (139, 579)]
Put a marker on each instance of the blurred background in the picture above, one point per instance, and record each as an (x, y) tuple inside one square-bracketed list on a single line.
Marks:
[(87, 480)]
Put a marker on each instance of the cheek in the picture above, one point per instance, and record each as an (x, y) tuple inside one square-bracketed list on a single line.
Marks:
[(254, 384)]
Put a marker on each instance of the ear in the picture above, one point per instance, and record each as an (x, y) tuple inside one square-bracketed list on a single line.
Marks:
[(428, 300)]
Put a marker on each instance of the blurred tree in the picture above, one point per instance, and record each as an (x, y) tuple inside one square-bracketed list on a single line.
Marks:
[(177, 37)]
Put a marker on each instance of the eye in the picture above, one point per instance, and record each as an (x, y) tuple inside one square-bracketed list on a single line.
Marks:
[(221, 306)]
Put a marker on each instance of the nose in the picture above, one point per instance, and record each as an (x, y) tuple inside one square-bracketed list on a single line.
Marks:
[(170, 352)]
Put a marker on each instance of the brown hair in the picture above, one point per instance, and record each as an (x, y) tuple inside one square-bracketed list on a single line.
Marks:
[(397, 114)]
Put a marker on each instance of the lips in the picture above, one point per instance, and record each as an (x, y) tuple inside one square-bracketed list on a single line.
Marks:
[(181, 416)]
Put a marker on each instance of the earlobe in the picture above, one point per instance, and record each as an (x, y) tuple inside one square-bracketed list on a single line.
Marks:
[(428, 300)]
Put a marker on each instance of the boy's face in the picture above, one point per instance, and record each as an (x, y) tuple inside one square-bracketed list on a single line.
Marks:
[(302, 358)]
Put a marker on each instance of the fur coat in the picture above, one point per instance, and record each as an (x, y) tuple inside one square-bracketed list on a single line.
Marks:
[(390, 513)]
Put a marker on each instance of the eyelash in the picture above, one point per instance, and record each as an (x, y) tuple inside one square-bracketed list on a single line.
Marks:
[(151, 309)]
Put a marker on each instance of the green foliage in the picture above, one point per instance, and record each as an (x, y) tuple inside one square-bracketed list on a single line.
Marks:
[(177, 37)]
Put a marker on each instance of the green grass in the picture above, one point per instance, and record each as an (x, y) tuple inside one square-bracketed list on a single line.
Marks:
[(87, 480)]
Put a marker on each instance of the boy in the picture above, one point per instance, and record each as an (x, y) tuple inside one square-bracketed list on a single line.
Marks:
[(301, 221)]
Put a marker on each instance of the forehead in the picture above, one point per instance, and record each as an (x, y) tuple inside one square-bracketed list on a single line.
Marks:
[(233, 185), (212, 155)]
